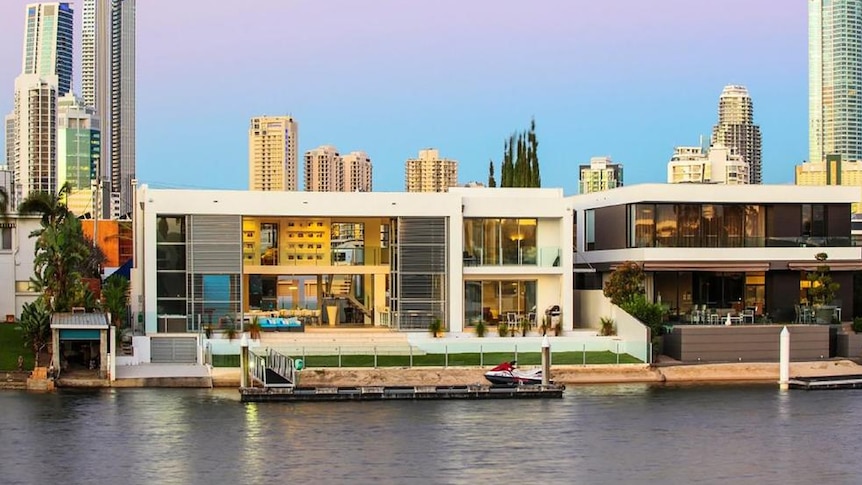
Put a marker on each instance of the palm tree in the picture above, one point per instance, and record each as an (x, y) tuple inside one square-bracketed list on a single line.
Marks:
[(52, 207), (60, 255), (115, 297)]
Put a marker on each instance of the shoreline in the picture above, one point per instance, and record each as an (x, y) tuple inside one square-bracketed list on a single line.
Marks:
[(755, 372), (569, 375)]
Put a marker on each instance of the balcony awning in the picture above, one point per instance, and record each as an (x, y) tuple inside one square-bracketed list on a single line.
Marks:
[(729, 266), (833, 265)]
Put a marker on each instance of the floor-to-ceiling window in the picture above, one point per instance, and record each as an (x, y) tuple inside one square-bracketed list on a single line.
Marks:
[(493, 301), (500, 242), (171, 265)]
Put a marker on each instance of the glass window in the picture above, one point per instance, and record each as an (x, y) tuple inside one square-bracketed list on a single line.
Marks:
[(6, 238), (755, 226), (171, 257), (689, 225), (169, 284), (734, 215), (665, 225), (24, 286), (171, 229), (491, 245), (269, 244), (642, 226), (590, 229), (712, 225), (814, 220)]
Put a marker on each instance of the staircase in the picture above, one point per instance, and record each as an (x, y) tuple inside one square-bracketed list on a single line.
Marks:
[(341, 286)]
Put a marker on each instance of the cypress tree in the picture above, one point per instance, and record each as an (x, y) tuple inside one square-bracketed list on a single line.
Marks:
[(491, 181), (520, 166)]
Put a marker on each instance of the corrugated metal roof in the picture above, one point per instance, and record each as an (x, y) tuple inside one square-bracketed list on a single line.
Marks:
[(86, 320)]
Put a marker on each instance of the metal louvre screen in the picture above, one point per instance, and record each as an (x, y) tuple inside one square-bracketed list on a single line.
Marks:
[(216, 244), (214, 270), (420, 270)]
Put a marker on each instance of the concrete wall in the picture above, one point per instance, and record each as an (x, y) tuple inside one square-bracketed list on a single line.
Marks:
[(593, 305), (17, 265), (745, 343)]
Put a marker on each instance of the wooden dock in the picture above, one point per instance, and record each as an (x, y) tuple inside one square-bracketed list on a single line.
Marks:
[(383, 393), (826, 382)]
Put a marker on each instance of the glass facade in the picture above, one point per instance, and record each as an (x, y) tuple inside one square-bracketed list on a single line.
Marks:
[(500, 242), (171, 286), (490, 301), (696, 225)]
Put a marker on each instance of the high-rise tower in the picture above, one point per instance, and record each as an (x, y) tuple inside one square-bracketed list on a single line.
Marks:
[(108, 85), (430, 173), (736, 129), (34, 160), (48, 39), (834, 79), (272, 152)]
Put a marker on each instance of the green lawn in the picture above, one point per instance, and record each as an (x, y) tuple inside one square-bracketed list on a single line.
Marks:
[(467, 359), (11, 346)]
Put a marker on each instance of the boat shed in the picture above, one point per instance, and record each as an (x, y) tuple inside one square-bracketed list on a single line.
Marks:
[(80, 342)]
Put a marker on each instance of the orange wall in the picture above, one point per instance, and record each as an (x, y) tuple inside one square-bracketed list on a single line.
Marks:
[(114, 238)]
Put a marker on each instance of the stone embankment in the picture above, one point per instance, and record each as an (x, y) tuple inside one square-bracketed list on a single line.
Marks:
[(569, 375)]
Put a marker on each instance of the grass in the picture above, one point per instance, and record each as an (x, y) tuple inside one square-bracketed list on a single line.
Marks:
[(11, 346), (439, 360)]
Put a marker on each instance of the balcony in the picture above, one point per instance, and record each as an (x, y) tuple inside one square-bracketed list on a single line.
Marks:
[(543, 257)]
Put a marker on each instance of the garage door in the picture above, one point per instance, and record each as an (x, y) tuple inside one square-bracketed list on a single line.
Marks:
[(173, 350)]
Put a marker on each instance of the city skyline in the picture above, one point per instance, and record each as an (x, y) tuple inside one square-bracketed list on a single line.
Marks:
[(633, 92)]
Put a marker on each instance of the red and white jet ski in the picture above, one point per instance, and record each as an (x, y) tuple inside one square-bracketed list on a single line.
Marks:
[(508, 374)]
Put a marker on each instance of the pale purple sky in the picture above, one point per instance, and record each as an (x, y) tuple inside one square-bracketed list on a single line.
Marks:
[(626, 78)]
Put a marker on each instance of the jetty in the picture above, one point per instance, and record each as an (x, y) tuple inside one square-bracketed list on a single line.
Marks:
[(826, 382), (274, 377), (382, 393)]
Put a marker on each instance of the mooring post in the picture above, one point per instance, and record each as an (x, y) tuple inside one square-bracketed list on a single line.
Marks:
[(784, 359), (546, 361), (243, 361)]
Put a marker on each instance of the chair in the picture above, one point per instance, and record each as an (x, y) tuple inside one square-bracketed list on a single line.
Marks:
[(531, 317), (748, 315)]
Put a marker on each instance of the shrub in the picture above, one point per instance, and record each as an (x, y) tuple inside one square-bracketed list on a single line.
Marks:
[(857, 325), (435, 327), (625, 283), (502, 329), (481, 329), (650, 314), (609, 327)]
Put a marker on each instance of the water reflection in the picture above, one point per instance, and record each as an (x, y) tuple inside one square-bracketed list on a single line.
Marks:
[(628, 433)]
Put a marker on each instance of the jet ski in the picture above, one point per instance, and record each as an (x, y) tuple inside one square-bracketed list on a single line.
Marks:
[(508, 374)]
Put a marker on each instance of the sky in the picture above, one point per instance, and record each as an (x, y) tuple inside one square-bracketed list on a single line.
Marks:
[(629, 79)]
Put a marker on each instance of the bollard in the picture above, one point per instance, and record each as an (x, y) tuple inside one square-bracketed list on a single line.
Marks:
[(243, 361), (784, 359), (546, 361)]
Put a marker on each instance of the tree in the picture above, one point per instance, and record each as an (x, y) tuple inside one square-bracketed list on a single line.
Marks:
[(60, 255), (520, 166), (491, 181), (4, 204), (36, 326), (52, 207), (625, 283), (823, 289), (115, 299)]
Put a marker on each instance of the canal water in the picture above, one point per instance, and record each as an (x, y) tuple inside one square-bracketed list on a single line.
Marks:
[(595, 434)]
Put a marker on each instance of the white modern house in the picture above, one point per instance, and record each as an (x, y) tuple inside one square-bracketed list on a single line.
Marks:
[(17, 250)]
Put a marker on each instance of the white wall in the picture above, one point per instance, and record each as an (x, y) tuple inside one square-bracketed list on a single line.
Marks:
[(17, 265), (593, 305)]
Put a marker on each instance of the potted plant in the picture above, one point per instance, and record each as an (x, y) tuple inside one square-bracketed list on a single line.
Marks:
[(230, 332), (502, 329), (435, 328), (857, 325), (609, 327), (525, 327), (481, 329), (253, 328)]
